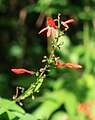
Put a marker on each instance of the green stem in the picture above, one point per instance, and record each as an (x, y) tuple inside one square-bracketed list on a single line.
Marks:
[(59, 25)]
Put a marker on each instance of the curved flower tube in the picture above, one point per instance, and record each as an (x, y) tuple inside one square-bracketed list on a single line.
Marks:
[(65, 24), (70, 65), (21, 71)]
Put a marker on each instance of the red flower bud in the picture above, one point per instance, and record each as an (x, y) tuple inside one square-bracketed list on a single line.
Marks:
[(21, 71), (41, 69)]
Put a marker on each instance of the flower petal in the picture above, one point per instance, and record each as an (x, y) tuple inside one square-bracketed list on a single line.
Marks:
[(70, 65), (21, 71), (64, 24), (30, 72), (49, 32), (69, 21), (44, 29), (53, 32)]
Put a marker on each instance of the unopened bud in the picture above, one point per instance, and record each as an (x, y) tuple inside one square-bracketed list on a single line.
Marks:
[(14, 97), (48, 70), (56, 58), (37, 91), (43, 60), (41, 69), (53, 56), (22, 90), (21, 104), (45, 57), (33, 97), (66, 29), (37, 73), (52, 42)]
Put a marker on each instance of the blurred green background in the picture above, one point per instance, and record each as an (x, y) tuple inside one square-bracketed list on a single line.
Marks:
[(22, 47)]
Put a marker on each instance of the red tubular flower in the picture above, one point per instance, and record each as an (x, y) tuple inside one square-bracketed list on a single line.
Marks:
[(66, 22), (70, 65), (50, 27), (21, 71)]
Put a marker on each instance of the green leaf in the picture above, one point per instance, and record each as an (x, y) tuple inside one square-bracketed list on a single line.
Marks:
[(46, 109), (53, 100), (11, 115), (89, 79), (70, 103), (27, 117), (20, 116), (60, 115), (6, 105), (58, 96)]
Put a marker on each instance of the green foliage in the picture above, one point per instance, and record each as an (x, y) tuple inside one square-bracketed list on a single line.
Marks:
[(10, 110), (6, 105)]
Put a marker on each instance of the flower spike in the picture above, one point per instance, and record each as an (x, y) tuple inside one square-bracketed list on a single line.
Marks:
[(42, 73)]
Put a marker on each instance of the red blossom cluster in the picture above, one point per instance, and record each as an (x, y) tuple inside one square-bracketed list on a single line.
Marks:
[(51, 27), (86, 107)]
